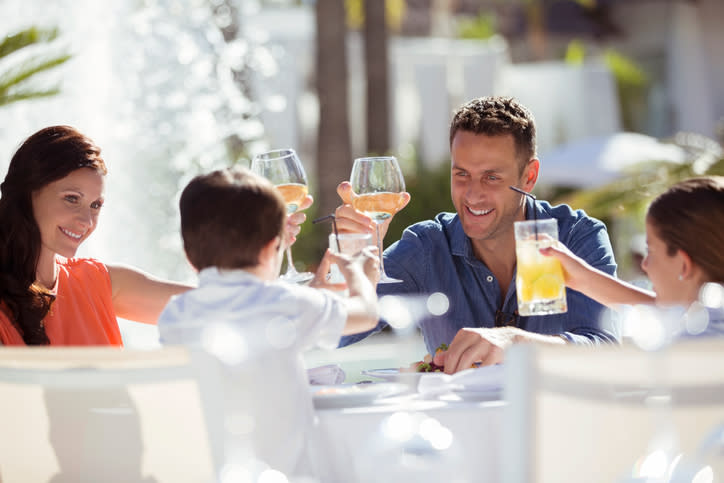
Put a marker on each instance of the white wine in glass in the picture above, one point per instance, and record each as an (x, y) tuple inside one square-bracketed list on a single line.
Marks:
[(284, 169), (379, 189)]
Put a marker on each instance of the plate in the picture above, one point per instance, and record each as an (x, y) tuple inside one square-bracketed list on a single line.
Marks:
[(353, 395), (394, 374), (491, 394)]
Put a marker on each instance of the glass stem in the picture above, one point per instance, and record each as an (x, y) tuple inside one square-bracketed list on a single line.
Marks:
[(379, 247), (290, 263)]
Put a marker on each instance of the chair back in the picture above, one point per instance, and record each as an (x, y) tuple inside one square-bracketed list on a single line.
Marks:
[(599, 413), (108, 414)]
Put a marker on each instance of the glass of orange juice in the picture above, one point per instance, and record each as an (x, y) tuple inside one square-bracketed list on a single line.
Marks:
[(539, 281)]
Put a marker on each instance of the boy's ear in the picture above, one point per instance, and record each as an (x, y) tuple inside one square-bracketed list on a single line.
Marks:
[(270, 250)]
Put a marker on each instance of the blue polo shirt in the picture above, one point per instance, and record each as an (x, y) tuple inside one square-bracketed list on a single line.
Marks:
[(436, 256)]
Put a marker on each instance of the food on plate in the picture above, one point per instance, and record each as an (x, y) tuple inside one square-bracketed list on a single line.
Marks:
[(426, 364)]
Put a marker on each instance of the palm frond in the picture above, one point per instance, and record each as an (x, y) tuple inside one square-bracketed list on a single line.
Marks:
[(632, 193), (16, 75), (24, 38), (28, 69), (21, 95)]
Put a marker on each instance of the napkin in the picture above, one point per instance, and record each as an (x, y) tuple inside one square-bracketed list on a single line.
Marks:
[(326, 375), (481, 379)]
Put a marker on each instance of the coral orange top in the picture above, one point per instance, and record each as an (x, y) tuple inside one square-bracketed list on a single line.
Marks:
[(81, 314)]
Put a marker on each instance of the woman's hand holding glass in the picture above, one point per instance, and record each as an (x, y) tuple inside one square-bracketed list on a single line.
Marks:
[(285, 170), (295, 220)]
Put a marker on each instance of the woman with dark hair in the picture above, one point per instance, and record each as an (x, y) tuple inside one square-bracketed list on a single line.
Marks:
[(685, 251), (51, 199)]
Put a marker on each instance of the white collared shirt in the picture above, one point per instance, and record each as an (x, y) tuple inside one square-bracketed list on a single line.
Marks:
[(260, 330)]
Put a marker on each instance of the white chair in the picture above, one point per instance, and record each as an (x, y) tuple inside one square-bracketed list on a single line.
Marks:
[(108, 414), (598, 414)]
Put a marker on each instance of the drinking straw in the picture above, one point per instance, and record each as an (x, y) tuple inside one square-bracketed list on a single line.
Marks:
[(334, 227), (535, 212)]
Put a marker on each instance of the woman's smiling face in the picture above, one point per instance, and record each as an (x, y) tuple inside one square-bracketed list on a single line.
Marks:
[(66, 211)]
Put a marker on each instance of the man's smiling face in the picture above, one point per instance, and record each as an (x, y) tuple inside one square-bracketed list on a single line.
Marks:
[(482, 169)]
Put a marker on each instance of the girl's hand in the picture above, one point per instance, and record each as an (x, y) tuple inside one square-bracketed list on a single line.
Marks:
[(575, 269)]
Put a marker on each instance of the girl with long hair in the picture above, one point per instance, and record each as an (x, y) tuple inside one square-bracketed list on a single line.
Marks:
[(685, 252)]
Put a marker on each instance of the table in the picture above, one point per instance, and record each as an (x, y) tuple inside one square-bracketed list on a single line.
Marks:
[(374, 443)]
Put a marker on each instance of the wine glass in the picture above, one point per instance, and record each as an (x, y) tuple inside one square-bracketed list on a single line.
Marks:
[(283, 168), (378, 185)]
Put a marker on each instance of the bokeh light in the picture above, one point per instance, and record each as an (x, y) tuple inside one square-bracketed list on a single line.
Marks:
[(712, 295), (438, 303), (235, 473), (225, 342), (272, 476)]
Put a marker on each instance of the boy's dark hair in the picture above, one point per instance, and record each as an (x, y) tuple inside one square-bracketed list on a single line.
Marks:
[(498, 116), (228, 216)]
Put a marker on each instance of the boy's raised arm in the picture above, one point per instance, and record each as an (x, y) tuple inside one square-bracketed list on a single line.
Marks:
[(361, 273)]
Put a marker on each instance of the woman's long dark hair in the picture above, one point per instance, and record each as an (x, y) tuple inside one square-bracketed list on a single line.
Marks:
[(48, 155)]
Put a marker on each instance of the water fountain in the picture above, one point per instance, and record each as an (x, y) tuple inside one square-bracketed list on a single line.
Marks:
[(153, 83)]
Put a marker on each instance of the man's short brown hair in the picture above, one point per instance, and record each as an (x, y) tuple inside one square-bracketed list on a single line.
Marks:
[(498, 116), (228, 216)]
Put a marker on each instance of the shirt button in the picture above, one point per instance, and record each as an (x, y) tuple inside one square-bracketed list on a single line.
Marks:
[(489, 278)]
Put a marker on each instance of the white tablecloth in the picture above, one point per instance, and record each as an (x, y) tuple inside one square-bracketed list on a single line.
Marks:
[(359, 448)]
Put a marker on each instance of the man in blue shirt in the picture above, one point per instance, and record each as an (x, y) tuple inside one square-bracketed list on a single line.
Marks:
[(470, 255)]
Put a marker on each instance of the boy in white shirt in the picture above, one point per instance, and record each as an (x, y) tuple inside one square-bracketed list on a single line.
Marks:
[(232, 224)]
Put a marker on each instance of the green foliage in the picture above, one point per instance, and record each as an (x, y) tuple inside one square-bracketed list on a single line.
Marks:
[(575, 52), (624, 69), (16, 81), (481, 27), (622, 204), (630, 195), (430, 194), (632, 82), (394, 13)]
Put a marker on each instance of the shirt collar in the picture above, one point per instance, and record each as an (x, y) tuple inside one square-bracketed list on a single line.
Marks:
[(530, 205), (214, 275), (460, 244)]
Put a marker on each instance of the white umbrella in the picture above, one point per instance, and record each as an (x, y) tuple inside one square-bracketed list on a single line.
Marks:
[(598, 160)]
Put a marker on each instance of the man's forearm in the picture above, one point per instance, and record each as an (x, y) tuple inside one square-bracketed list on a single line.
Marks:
[(523, 336)]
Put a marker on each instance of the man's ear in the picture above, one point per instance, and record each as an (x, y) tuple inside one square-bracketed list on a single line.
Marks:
[(530, 174)]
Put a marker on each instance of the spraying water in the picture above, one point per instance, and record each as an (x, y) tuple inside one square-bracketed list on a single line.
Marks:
[(158, 87)]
